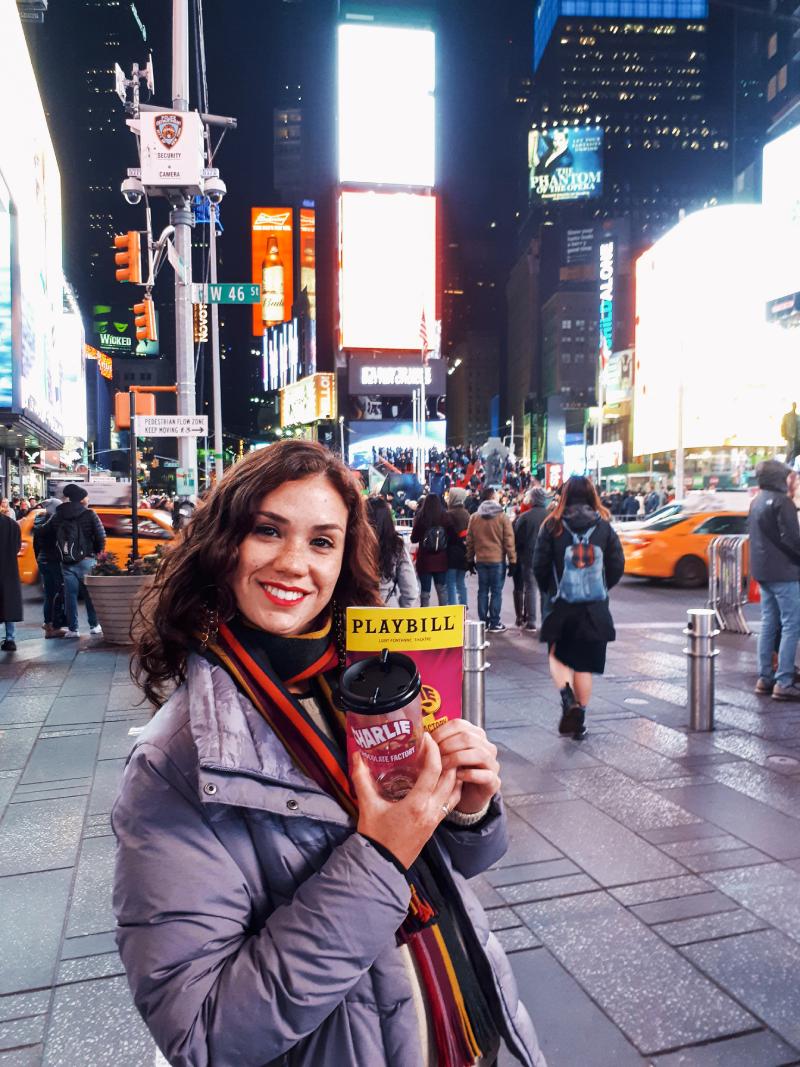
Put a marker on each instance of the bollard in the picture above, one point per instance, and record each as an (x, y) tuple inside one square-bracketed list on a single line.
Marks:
[(700, 655), (474, 685)]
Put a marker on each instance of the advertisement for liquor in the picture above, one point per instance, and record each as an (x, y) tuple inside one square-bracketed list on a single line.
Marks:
[(566, 163), (271, 234), (432, 637)]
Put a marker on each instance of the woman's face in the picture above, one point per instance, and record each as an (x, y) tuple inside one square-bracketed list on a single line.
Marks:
[(289, 564), (5, 507)]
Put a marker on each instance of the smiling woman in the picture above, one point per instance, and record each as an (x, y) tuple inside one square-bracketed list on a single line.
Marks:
[(272, 906)]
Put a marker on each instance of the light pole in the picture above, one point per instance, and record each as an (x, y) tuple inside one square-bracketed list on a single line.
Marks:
[(181, 219)]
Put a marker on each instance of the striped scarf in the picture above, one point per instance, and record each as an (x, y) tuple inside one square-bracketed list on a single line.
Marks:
[(437, 930)]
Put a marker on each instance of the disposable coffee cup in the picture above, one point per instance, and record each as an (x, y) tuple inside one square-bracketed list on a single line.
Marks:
[(381, 696)]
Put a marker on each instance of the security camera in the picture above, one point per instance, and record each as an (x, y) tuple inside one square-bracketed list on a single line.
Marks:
[(133, 190), (215, 189)]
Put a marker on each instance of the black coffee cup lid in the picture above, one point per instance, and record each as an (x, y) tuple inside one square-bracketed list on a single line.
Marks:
[(380, 684)]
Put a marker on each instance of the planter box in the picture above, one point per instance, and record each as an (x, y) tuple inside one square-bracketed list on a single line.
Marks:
[(115, 598)]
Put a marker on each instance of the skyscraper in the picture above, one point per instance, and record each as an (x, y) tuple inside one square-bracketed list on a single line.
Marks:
[(640, 71)]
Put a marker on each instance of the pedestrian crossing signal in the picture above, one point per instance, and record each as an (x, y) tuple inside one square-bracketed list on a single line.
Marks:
[(129, 257), (144, 318)]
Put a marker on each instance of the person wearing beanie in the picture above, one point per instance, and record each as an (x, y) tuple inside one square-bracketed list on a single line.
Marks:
[(76, 536), (775, 565), (457, 565)]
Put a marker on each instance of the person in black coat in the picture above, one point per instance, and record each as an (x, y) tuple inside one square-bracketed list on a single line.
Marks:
[(775, 565), (10, 587), (526, 531), (576, 633)]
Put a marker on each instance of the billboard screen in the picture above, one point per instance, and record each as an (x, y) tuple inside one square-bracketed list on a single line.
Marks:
[(365, 437), (308, 258), (781, 198), (387, 120), (6, 350), (387, 270), (114, 331), (700, 299), (282, 355), (566, 163), (272, 242)]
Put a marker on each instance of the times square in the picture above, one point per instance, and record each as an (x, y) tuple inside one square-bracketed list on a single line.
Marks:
[(399, 533)]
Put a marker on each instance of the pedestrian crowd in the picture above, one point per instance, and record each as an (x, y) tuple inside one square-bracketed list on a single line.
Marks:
[(67, 539)]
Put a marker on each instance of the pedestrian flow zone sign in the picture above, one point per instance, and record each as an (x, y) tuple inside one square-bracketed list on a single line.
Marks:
[(171, 425), (227, 293)]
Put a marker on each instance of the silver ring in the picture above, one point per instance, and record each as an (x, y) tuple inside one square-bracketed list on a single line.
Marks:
[(446, 810)]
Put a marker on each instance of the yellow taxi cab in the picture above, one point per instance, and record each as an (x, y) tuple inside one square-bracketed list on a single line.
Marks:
[(155, 528), (675, 545)]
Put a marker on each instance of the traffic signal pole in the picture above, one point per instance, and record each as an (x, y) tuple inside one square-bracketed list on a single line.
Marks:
[(134, 481), (181, 219)]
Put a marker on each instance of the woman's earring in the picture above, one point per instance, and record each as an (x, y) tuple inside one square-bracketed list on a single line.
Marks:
[(210, 627), (338, 635)]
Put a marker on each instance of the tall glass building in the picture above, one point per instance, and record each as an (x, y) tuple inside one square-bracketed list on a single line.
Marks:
[(636, 77)]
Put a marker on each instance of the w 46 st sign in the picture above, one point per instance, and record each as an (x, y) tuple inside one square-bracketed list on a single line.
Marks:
[(227, 293)]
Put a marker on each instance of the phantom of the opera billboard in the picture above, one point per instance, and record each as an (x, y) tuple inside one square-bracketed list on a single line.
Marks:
[(566, 163)]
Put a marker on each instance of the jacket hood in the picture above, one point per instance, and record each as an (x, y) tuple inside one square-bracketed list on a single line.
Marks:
[(538, 498), (456, 497), (772, 474), (580, 517), (488, 509), (70, 509)]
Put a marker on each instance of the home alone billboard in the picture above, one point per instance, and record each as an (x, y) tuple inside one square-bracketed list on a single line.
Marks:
[(566, 163)]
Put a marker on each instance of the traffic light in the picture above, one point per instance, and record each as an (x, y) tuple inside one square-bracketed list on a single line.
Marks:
[(129, 257), (144, 319)]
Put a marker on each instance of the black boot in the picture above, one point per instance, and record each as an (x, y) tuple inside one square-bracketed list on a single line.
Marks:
[(519, 609), (580, 720), (569, 711)]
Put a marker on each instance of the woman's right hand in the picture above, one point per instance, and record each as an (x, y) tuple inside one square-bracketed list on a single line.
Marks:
[(405, 826)]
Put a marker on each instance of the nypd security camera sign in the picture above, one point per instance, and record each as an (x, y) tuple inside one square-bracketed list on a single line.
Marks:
[(172, 149)]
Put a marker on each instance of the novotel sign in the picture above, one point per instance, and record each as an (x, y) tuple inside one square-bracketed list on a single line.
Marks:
[(606, 301)]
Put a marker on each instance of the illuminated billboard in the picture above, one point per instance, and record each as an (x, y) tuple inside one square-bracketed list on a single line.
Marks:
[(31, 371), (272, 243), (387, 269), (308, 258), (308, 400), (606, 316), (387, 120), (365, 437), (114, 331), (702, 331), (282, 355), (780, 195), (566, 163)]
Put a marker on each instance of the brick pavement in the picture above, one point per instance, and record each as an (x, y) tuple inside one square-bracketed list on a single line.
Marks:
[(649, 900)]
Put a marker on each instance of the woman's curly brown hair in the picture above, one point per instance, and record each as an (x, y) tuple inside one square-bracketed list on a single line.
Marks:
[(194, 578)]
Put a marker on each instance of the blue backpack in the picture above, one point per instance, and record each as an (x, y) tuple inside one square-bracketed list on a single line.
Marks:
[(583, 579)]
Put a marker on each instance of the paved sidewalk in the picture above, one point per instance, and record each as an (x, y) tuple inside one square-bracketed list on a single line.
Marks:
[(650, 899)]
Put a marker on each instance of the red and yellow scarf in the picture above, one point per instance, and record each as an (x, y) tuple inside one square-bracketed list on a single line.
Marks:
[(437, 931)]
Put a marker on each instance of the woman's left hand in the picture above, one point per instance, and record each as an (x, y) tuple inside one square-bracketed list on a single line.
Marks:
[(467, 748)]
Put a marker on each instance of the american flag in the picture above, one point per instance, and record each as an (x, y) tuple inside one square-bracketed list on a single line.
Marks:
[(423, 333)]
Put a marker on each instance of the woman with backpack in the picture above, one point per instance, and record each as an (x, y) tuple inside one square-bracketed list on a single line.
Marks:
[(577, 559), (457, 565), (431, 530), (397, 575)]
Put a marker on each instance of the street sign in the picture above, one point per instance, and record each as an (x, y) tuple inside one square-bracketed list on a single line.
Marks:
[(171, 425), (227, 293)]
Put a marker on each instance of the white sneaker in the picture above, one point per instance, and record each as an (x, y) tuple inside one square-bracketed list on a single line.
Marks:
[(96, 629), (72, 633)]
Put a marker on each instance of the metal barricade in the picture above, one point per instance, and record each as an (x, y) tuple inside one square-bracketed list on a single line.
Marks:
[(728, 567), (475, 665), (700, 656)]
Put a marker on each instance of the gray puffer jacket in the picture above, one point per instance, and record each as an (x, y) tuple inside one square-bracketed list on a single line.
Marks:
[(256, 927)]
